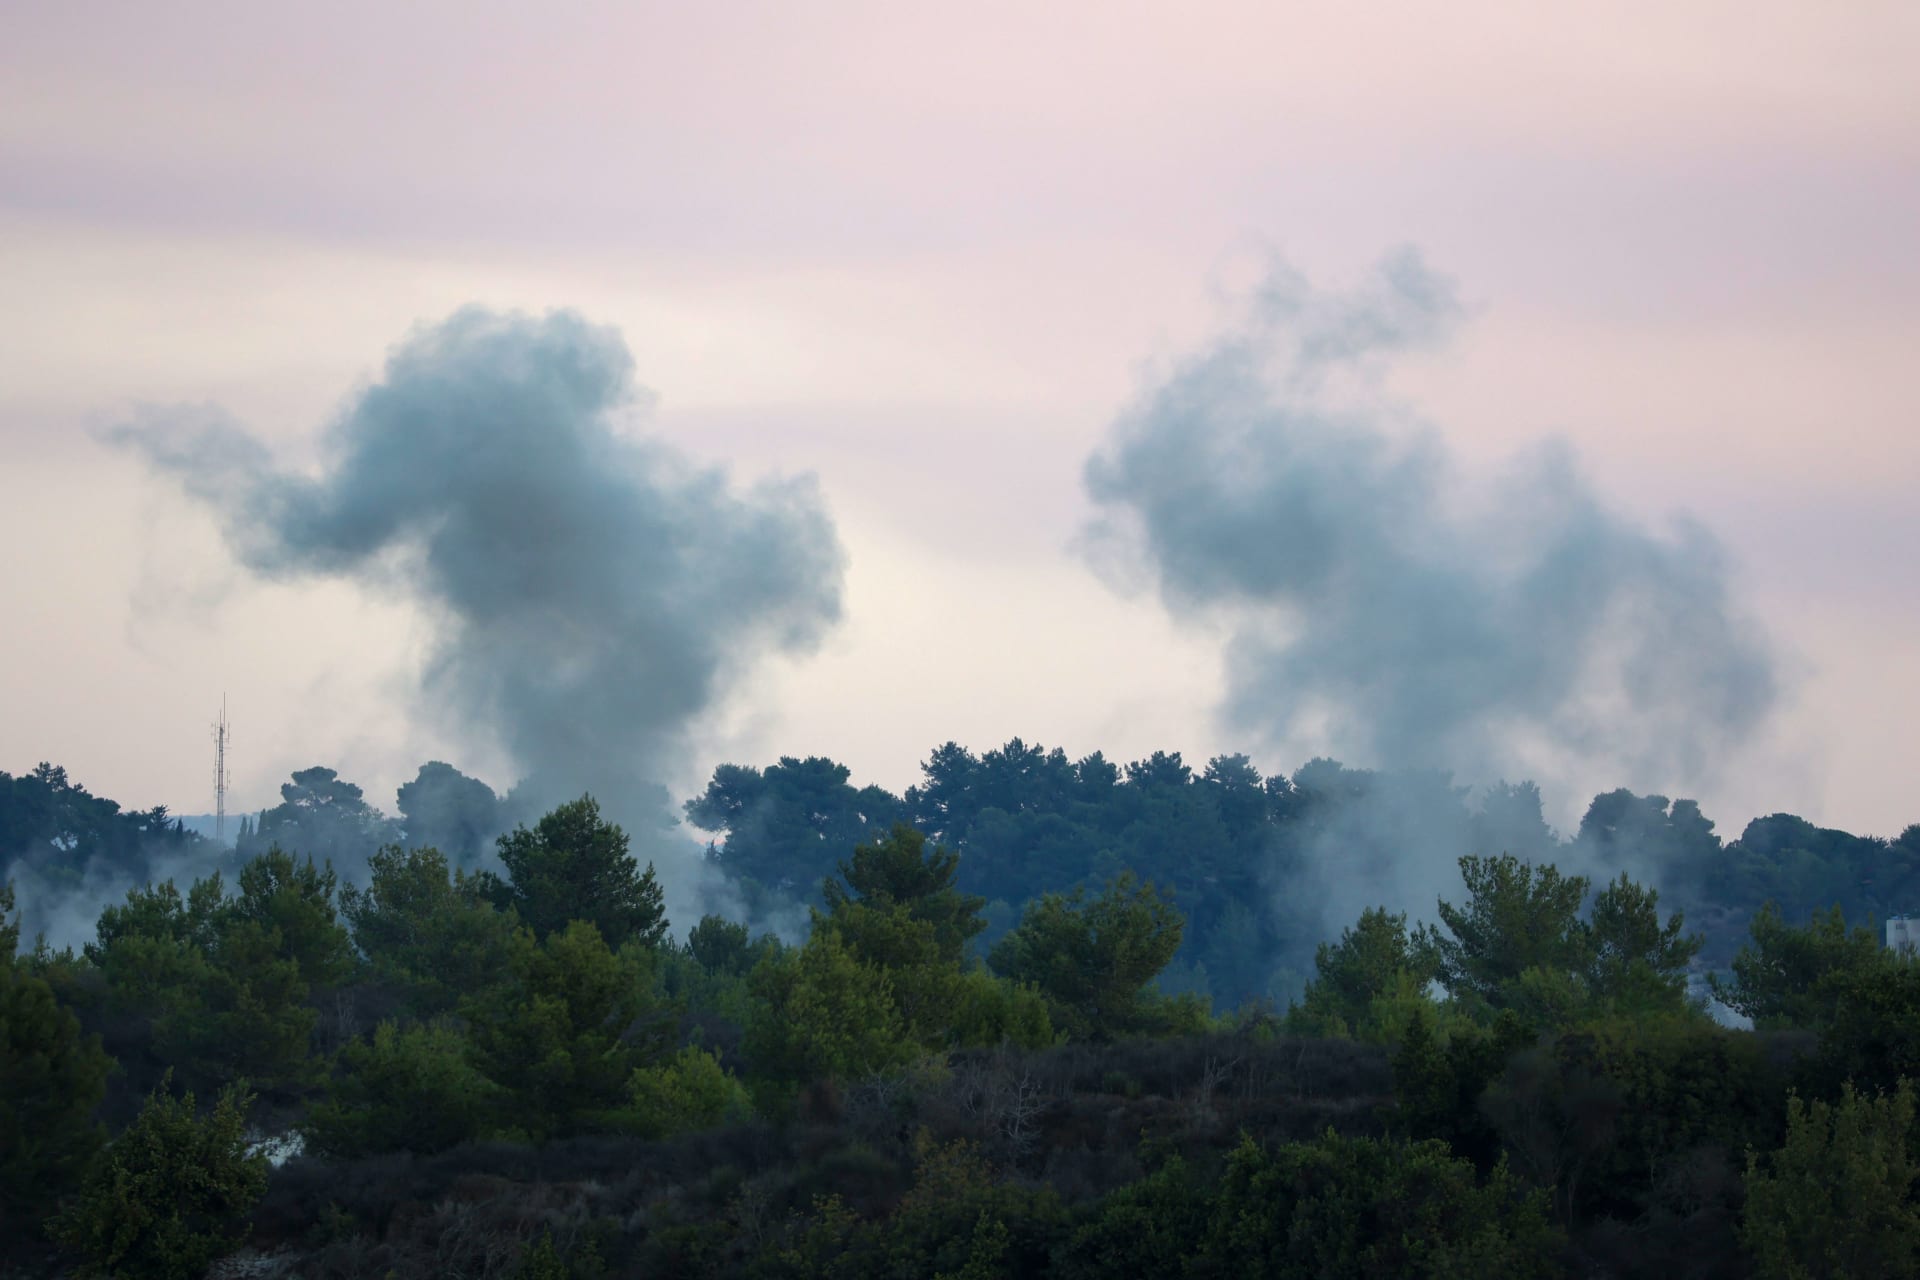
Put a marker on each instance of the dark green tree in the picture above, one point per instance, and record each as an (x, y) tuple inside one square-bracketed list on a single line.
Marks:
[(574, 865), (1636, 962), (1643, 1120), (1786, 975), (785, 825), (1517, 917), (427, 928), (957, 1221), (215, 977), (404, 1089), (1149, 1227), (245, 1017), (1093, 957), (1837, 1200), (65, 834), (171, 1194), (901, 870), (1374, 960), (821, 1014), (564, 1034), (51, 1079), (720, 945), (295, 900)]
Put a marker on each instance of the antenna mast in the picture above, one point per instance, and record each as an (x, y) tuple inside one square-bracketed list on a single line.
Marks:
[(220, 778)]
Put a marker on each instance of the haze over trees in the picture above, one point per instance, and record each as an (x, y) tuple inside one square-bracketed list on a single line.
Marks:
[(1047, 1017)]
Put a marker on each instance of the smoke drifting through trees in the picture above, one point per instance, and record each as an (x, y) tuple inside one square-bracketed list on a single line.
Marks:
[(592, 592), (1386, 607)]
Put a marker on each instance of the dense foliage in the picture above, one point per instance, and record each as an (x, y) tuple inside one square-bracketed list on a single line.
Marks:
[(1047, 1017)]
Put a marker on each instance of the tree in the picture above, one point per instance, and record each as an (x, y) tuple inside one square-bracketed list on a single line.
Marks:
[(1556, 1113), (900, 870), (821, 1014), (1147, 1228), (1784, 977), (563, 1036), (1836, 1200), (9, 924), (216, 975), (1092, 958), (720, 945), (158, 913), (295, 900), (1237, 792), (320, 816), (1511, 818), (171, 1194), (924, 983), (1869, 1018), (1373, 960), (573, 865), (405, 1089), (944, 804), (444, 809), (65, 835), (1441, 1069), (427, 928), (245, 1017), (786, 825), (51, 1079), (1518, 916), (1674, 836), (1609, 1115), (1634, 961)]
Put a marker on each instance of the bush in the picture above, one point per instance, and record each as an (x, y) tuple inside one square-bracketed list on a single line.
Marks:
[(692, 1091), (408, 1089), (169, 1195), (1359, 1207)]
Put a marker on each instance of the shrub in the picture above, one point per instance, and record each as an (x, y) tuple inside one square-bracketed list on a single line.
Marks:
[(691, 1091), (169, 1195), (408, 1089)]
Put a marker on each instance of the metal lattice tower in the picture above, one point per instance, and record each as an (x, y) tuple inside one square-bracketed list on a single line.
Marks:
[(220, 778)]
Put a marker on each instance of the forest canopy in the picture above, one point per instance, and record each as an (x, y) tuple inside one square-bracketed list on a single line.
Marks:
[(1044, 1016)]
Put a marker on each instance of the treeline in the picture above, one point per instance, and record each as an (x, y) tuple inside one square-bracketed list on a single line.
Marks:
[(56, 831), (1250, 859), (508, 1062)]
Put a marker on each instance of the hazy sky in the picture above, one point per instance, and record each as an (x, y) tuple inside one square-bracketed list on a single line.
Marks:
[(929, 254)]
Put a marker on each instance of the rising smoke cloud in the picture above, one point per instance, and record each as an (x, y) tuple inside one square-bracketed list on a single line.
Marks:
[(592, 593), (1388, 607)]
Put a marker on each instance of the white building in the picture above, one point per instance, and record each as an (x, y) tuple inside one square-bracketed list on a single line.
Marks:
[(1903, 934)]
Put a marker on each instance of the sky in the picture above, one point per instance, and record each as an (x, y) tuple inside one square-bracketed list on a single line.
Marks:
[(931, 255)]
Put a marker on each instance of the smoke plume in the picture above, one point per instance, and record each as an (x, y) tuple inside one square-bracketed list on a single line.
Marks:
[(592, 592), (1387, 607)]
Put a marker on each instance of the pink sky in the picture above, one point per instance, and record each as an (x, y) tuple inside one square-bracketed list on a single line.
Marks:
[(927, 252)]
